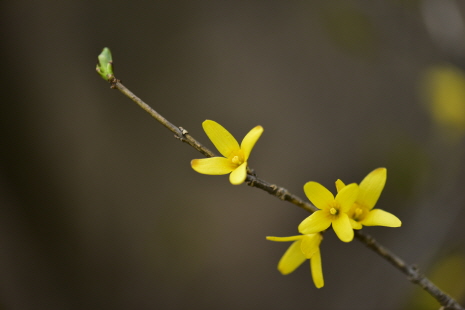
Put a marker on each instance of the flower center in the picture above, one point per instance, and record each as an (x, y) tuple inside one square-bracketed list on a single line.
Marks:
[(236, 160), (333, 211), (358, 212)]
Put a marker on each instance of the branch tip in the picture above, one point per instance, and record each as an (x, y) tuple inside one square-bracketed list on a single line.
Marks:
[(105, 65)]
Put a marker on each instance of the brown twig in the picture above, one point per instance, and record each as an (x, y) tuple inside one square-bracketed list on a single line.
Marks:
[(412, 273)]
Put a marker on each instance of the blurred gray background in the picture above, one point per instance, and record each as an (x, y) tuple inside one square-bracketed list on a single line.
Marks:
[(100, 209)]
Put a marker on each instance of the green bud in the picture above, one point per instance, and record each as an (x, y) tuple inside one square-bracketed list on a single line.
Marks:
[(105, 65)]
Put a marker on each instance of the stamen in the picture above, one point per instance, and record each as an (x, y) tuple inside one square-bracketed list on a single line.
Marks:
[(333, 211), (236, 160)]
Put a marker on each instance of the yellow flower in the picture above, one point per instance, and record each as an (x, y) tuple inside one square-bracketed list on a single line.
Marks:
[(332, 210), (361, 212), (235, 156), (443, 89), (304, 247)]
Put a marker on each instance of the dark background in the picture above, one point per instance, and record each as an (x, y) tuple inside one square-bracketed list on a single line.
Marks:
[(100, 209)]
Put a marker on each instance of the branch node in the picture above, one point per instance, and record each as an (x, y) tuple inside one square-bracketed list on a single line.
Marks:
[(181, 134), (413, 274), (183, 131), (251, 171), (113, 81), (279, 192), (251, 180), (370, 240)]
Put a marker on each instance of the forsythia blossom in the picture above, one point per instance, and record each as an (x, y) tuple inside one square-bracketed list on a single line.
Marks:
[(235, 156), (362, 212), (332, 210), (304, 247)]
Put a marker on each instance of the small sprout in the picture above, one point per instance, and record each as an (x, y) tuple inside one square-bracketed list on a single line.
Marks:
[(105, 65)]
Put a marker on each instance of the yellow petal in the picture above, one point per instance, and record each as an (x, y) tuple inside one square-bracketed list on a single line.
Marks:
[(249, 141), (213, 165), (239, 175), (342, 228), (339, 185), (371, 187), (317, 270), (346, 196), (319, 195), (355, 224), (316, 222), (291, 259), (310, 244), (284, 239), (379, 217), (220, 137)]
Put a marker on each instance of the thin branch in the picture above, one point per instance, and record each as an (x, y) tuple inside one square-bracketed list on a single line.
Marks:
[(411, 271), (179, 132)]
